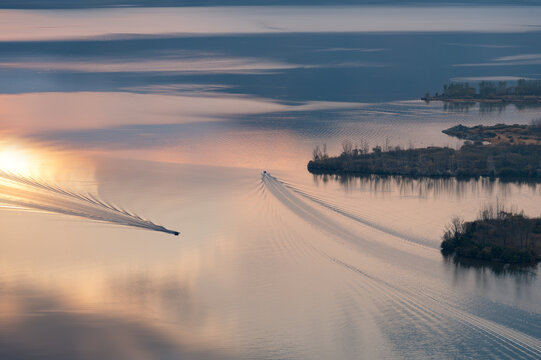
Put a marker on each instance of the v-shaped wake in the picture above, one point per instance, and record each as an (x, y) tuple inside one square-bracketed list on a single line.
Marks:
[(29, 193)]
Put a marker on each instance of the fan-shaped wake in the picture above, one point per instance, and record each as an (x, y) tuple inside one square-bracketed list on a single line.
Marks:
[(29, 193)]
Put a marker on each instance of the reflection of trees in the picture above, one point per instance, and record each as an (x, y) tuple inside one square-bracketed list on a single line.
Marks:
[(425, 186), (466, 106), (485, 107), (458, 106), (376, 183), (523, 274), (523, 106)]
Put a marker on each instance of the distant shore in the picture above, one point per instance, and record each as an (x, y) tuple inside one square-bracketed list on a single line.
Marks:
[(495, 100), (525, 91)]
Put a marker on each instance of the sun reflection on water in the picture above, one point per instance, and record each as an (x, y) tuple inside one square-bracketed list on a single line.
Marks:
[(31, 160), (24, 165), (48, 180), (15, 160)]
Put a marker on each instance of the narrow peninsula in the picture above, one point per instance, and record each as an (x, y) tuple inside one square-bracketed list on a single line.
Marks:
[(499, 133), (503, 151), (471, 160)]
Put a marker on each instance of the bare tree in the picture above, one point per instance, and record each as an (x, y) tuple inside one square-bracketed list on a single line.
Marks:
[(364, 148), (454, 229), (316, 153), (387, 144), (347, 147)]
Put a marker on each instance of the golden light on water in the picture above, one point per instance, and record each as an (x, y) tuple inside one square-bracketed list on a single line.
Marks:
[(30, 160), (15, 160)]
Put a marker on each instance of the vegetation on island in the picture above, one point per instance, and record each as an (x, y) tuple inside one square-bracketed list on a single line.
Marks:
[(471, 160), (497, 235), (489, 91), (512, 152), (499, 133)]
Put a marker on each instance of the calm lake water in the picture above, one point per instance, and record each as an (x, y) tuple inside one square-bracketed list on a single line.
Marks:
[(118, 125)]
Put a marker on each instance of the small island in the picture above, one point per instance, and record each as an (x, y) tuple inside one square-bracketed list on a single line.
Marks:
[(525, 91), (498, 235), (499, 133)]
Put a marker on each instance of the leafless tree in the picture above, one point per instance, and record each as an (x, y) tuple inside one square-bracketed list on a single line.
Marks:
[(316, 153), (366, 147), (387, 144), (347, 147), (454, 229)]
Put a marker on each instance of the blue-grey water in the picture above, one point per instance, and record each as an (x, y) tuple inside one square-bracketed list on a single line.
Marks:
[(116, 122)]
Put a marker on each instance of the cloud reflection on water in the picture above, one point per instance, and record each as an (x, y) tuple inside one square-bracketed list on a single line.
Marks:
[(215, 65), (250, 277), (60, 329), (106, 110), (69, 24)]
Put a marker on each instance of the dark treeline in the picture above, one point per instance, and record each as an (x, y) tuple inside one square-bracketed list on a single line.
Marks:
[(497, 234), (524, 90), (471, 160)]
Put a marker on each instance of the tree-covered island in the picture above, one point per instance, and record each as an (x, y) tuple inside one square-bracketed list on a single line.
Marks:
[(525, 91), (497, 235), (471, 160), (504, 151), (514, 151)]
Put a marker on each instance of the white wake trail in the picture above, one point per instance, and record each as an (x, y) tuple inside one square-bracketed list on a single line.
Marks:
[(431, 308), (29, 193), (284, 191)]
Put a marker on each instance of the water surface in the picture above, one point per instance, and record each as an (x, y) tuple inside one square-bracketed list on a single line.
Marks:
[(106, 126)]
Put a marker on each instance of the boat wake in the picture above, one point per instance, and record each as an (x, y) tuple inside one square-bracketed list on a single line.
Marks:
[(285, 192), (28, 193), (431, 311)]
